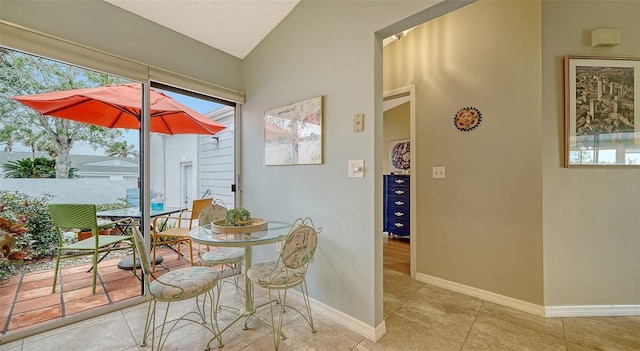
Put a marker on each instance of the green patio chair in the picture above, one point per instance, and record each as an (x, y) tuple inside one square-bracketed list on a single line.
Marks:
[(83, 216)]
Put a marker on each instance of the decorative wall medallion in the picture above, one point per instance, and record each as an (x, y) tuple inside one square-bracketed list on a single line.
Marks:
[(467, 119)]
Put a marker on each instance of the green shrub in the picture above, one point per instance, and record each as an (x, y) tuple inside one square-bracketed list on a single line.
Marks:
[(7, 270), (40, 238)]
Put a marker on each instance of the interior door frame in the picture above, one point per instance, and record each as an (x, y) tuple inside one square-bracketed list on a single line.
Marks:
[(391, 99)]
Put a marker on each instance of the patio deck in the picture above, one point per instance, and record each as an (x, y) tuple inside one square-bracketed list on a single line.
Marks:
[(26, 300)]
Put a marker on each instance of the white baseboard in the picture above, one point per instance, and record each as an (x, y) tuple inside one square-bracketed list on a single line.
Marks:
[(592, 311), (483, 294), (375, 333), (355, 325)]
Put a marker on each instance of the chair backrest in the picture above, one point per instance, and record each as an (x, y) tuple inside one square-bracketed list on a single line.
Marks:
[(216, 211), (74, 216), (198, 205), (143, 254), (300, 244)]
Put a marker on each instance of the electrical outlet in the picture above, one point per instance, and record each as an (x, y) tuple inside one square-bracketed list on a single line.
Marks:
[(438, 172)]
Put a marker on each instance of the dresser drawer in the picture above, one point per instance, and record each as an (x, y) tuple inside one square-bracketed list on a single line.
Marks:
[(397, 226), (398, 213), (397, 202)]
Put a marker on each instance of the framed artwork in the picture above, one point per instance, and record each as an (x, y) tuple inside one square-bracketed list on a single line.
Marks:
[(601, 111), (293, 133), (399, 156)]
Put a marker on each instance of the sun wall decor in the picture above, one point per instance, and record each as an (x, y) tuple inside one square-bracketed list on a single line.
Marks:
[(467, 119)]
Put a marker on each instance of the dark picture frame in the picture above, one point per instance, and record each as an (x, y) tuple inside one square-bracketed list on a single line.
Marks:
[(601, 119)]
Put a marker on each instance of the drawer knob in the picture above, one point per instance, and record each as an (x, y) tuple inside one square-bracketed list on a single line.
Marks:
[(399, 181), (398, 225), (399, 192), (399, 203), (399, 214)]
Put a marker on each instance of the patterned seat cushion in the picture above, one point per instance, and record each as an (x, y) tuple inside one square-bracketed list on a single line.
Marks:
[(267, 275), (222, 255), (193, 281)]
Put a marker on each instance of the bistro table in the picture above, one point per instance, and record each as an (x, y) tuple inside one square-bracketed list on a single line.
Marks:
[(276, 231), (136, 214)]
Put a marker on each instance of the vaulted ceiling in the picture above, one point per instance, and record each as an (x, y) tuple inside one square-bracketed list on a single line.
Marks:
[(233, 26)]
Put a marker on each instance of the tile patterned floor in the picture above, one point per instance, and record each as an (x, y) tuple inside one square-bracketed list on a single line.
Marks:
[(27, 301), (418, 317)]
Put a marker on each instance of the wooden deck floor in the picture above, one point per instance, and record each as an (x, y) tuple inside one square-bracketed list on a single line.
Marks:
[(396, 254)]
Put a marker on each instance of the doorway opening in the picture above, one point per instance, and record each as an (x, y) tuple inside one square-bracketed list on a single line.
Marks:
[(398, 130)]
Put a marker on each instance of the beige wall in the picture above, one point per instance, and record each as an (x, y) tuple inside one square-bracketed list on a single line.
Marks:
[(509, 218), (591, 216), (395, 127), (481, 226)]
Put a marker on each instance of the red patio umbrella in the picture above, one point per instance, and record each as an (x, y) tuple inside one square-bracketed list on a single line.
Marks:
[(120, 106)]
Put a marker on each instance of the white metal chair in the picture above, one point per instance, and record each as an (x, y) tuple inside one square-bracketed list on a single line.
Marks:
[(177, 285), (287, 272), (228, 258)]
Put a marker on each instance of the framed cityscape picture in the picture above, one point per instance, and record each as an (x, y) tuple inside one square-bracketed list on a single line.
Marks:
[(399, 156), (601, 111)]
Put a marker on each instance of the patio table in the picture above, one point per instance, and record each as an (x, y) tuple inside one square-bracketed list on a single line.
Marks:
[(136, 214), (275, 231)]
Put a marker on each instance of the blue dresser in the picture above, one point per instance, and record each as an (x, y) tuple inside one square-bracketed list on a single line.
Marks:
[(396, 205)]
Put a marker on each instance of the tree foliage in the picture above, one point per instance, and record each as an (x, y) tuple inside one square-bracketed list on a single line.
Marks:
[(121, 149), (23, 74), (39, 167)]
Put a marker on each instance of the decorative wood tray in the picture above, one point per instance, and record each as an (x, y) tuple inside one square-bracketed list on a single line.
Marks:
[(257, 224)]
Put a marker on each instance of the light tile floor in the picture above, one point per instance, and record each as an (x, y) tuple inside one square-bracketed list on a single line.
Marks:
[(418, 317)]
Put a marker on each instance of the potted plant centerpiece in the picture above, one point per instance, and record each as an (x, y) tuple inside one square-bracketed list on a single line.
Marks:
[(238, 216), (237, 221)]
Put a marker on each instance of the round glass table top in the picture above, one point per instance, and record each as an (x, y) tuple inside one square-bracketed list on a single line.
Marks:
[(275, 231)]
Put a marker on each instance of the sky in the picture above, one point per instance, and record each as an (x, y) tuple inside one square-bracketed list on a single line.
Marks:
[(131, 136)]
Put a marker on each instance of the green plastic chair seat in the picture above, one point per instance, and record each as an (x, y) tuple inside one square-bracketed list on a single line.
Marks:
[(89, 244)]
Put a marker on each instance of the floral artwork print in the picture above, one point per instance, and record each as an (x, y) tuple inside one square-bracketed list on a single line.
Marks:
[(467, 119), (400, 155)]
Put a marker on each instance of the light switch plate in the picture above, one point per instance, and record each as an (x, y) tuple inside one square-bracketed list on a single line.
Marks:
[(358, 122), (356, 169)]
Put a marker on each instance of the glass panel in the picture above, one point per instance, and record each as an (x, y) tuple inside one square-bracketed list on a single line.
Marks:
[(185, 167), (47, 160)]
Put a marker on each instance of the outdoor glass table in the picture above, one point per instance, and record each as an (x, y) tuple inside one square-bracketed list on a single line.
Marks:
[(136, 214), (276, 231)]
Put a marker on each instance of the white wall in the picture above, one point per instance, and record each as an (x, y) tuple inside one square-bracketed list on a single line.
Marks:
[(168, 155), (91, 191), (326, 48)]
